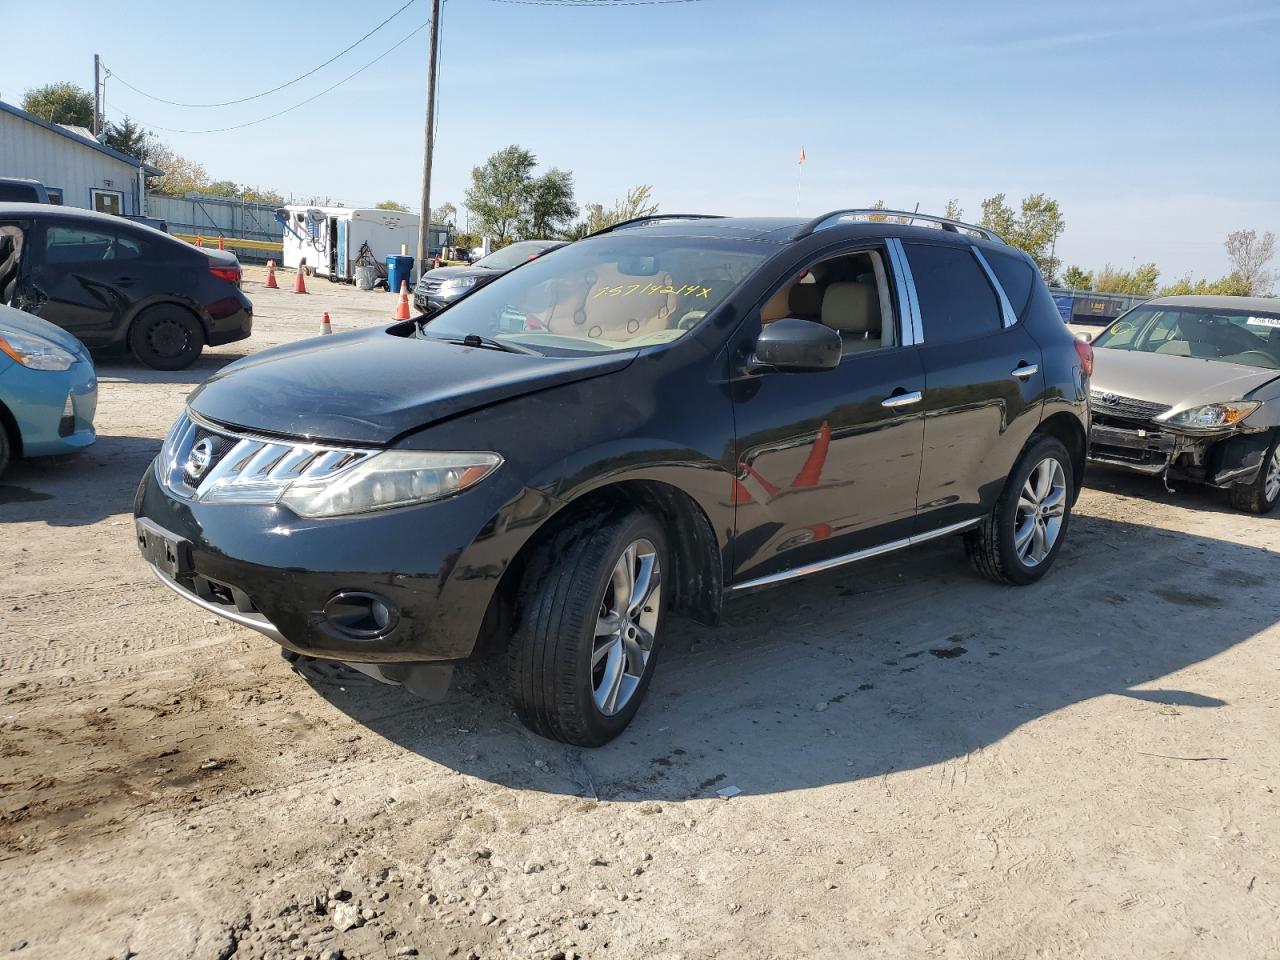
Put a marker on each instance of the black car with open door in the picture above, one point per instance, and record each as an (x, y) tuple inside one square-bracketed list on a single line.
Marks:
[(669, 413), (117, 284)]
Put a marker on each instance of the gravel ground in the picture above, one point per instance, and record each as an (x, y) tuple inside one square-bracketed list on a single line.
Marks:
[(928, 765)]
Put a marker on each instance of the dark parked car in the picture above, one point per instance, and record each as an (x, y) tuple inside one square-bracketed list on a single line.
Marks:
[(670, 412), (438, 288), (117, 284), (22, 190), (1189, 388)]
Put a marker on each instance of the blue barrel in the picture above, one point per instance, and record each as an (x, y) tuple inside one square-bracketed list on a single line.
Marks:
[(399, 268)]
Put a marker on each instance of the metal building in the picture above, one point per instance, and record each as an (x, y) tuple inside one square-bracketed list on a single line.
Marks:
[(77, 170)]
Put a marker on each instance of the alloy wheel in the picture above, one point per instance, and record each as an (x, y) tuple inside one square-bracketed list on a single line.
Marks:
[(1042, 505), (625, 627), (1271, 487)]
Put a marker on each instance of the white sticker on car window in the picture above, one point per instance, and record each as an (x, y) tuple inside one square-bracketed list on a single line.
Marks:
[(1263, 321)]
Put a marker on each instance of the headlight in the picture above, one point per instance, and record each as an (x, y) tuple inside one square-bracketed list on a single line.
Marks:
[(36, 352), (1211, 416), (395, 478), (457, 285)]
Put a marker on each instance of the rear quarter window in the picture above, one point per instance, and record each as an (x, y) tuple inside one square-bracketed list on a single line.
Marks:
[(956, 300), (1016, 276)]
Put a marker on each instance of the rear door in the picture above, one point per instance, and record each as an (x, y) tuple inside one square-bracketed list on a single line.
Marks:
[(79, 275), (983, 383)]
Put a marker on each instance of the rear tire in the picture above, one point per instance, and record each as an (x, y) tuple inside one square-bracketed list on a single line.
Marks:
[(1018, 541), (1262, 495), (167, 337), (586, 637)]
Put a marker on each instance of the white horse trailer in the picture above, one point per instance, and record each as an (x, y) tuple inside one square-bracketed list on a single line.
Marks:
[(330, 240)]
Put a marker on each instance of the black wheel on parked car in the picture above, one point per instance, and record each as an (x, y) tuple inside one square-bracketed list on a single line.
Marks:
[(590, 612), (166, 337), (1018, 541), (1263, 493), (5, 454)]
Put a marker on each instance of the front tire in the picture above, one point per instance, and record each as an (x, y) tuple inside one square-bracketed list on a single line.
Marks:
[(588, 621), (166, 337), (1019, 540), (1262, 495), (5, 450)]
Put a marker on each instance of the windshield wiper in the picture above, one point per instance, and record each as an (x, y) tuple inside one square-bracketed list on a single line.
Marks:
[(475, 340)]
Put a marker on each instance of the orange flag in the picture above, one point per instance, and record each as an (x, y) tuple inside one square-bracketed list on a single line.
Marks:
[(802, 156)]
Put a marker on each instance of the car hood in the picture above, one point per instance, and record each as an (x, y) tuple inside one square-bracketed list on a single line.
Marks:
[(1174, 381), (20, 322), (452, 273), (372, 386)]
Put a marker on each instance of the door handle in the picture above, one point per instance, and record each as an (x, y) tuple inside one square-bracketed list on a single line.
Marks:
[(901, 399), (1026, 370)]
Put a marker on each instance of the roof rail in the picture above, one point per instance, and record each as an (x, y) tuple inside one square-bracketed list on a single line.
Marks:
[(951, 226), (635, 221)]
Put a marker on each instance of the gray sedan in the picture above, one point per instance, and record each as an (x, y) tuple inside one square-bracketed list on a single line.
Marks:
[(1189, 388)]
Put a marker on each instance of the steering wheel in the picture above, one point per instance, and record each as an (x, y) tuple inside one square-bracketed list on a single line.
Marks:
[(690, 319)]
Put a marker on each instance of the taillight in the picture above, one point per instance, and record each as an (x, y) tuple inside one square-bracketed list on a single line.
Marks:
[(1085, 352), (230, 274)]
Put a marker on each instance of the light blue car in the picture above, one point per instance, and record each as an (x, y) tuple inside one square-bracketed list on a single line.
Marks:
[(48, 390)]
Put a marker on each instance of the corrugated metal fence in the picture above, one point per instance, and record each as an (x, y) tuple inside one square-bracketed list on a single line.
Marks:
[(211, 217)]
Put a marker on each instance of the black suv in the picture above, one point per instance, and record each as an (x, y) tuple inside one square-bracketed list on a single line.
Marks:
[(117, 284), (673, 411)]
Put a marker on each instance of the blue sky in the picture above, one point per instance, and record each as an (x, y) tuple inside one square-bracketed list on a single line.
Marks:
[(1155, 124)]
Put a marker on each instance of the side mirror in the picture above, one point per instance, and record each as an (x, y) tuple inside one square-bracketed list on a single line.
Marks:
[(797, 346)]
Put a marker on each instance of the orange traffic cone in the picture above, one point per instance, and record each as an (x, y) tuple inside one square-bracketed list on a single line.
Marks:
[(222, 243), (436, 264), (402, 308), (271, 275), (199, 240), (325, 326), (299, 285)]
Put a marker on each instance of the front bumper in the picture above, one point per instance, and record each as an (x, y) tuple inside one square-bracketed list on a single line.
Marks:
[(436, 565), (429, 304), (1220, 459), (38, 399)]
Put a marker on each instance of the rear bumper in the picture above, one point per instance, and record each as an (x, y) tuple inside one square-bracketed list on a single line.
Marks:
[(1219, 460), (228, 320)]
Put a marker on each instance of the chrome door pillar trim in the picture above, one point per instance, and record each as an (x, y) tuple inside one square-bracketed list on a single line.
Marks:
[(840, 561), (912, 327), (1006, 308)]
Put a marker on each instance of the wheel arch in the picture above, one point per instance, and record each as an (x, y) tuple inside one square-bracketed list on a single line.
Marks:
[(696, 576), (9, 424), (1069, 430)]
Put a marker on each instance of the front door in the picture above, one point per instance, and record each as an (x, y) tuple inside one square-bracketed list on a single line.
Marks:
[(78, 274), (828, 462)]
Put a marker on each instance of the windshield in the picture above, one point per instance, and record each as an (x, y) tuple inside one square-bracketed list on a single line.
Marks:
[(614, 292), (514, 255), (1246, 337)]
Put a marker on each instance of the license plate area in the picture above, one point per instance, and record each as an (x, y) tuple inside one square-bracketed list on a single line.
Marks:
[(169, 554)]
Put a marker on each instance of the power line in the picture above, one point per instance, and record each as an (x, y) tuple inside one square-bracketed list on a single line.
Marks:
[(239, 126), (256, 96)]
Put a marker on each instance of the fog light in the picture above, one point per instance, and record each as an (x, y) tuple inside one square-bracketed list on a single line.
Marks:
[(361, 616), (67, 424)]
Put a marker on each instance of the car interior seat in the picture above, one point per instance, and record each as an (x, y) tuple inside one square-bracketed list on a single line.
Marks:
[(618, 306), (853, 309)]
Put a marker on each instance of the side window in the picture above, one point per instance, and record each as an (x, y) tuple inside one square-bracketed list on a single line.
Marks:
[(849, 293), (71, 243), (1016, 277), (11, 237), (956, 301)]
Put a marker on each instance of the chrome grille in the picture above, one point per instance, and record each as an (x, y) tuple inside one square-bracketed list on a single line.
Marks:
[(426, 285), (243, 468), (1126, 408)]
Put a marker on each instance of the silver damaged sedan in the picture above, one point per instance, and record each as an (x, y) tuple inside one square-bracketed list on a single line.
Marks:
[(1189, 388)]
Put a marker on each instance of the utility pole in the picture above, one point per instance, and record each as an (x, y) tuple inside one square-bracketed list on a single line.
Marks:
[(424, 223), (97, 95)]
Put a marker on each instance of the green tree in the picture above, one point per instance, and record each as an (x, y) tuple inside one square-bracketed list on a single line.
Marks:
[(1139, 282), (1249, 255), (180, 174), (392, 205), (499, 192), (129, 138), (60, 103), (1034, 229), (221, 188), (1232, 285), (446, 213), (1077, 279), (953, 210), (550, 205), (638, 203)]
